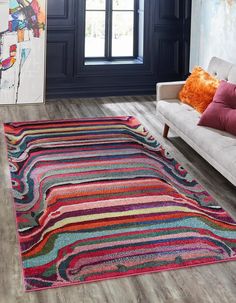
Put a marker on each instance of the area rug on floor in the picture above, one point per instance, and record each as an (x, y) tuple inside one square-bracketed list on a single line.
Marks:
[(100, 198)]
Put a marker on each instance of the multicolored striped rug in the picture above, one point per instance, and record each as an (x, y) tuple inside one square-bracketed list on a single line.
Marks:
[(100, 198)]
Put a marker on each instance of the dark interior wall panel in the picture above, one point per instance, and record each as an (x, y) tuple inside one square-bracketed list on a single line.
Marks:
[(169, 10), (61, 14), (60, 47), (166, 51)]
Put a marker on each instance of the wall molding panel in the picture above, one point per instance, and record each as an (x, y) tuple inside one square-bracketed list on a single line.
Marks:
[(60, 47), (61, 14)]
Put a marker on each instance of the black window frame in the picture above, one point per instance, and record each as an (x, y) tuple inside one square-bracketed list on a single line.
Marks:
[(108, 35)]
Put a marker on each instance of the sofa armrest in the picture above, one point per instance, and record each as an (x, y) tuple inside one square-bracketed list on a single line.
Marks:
[(169, 90)]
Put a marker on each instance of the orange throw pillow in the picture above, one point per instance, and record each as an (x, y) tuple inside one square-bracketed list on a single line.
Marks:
[(199, 89)]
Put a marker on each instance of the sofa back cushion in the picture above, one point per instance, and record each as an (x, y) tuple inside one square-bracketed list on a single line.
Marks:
[(199, 89), (221, 113), (222, 70)]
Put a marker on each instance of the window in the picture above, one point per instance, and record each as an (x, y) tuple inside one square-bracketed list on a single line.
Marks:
[(112, 29)]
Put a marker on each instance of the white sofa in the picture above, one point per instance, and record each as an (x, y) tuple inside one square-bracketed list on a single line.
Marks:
[(217, 147)]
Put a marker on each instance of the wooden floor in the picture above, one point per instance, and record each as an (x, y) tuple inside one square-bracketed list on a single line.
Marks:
[(214, 283)]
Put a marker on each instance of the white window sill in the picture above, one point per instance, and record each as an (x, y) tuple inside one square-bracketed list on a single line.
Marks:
[(113, 62)]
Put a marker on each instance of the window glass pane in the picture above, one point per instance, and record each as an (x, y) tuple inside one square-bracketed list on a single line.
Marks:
[(122, 34), (141, 28), (123, 4), (141, 5), (95, 4), (95, 34)]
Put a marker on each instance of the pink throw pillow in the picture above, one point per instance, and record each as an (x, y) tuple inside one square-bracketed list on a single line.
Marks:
[(221, 113)]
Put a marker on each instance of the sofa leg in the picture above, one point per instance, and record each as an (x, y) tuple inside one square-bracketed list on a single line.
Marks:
[(166, 131)]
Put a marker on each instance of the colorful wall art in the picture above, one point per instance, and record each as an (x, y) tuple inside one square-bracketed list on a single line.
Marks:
[(22, 51)]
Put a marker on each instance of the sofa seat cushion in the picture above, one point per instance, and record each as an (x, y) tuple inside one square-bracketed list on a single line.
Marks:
[(216, 144), (180, 114)]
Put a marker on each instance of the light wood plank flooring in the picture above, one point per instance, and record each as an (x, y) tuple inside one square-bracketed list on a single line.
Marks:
[(213, 284)]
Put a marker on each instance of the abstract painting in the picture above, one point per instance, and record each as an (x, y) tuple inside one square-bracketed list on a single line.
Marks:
[(22, 51), (213, 31)]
